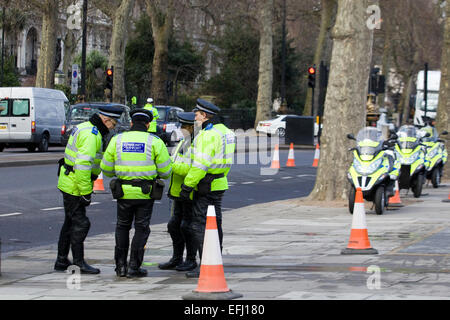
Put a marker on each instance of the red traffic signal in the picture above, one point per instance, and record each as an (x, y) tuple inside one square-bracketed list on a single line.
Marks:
[(109, 78), (312, 77)]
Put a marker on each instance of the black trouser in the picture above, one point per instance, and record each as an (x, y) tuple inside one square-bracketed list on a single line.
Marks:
[(199, 211), (141, 212), (178, 226), (75, 228)]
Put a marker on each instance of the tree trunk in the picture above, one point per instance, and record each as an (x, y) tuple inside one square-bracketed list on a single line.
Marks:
[(265, 78), (443, 112), (325, 24), (404, 103), (162, 24), (119, 37), (70, 45), (345, 104), (45, 77)]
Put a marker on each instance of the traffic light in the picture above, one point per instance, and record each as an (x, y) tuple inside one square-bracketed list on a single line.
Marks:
[(312, 77), (109, 78)]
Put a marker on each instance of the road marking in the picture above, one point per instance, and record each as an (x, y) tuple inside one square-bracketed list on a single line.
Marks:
[(248, 182), (10, 214), (284, 178), (50, 209), (95, 203), (305, 175), (267, 180)]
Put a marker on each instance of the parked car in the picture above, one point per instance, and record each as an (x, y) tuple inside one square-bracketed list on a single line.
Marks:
[(81, 112), (278, 126), (168, 126), (31, 117)]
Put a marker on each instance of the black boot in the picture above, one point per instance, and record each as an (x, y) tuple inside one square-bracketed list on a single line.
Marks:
[(188, 265), (120, 256), (62, 263), (194, 273), (78, 260), (171, 264), (136, 258)]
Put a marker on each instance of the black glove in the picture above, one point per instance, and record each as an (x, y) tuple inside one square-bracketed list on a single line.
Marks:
[(185, 192), (85, 200)]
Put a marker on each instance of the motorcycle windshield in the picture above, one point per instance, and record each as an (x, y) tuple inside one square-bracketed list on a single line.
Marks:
[(369, 142), (407, 137), (432, 131)]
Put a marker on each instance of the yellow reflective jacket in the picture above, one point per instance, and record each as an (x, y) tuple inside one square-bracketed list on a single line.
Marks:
[(182, 159), (84, 153), (155, 113), (136, 155), (213, 153)]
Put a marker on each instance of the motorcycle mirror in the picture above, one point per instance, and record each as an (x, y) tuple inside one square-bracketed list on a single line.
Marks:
[(351, 136), (440, 140), (445, 132), (427, 135)]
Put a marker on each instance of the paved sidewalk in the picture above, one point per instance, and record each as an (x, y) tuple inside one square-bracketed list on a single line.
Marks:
[(273, 251)]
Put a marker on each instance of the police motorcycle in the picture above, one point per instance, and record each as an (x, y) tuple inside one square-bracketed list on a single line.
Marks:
[(411, 155), (373, 168), (436, 154)]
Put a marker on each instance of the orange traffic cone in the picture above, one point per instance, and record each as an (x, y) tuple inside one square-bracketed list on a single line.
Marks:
[(211, 282), (276, 158), (447, 200), (316, 156), (395, 201), (291, 160), (359, 239), (98, 184)]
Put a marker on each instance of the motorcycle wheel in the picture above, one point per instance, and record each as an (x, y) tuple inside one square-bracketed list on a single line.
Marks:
[(417, 189), (351, 199), (436, 177), (380, 200)]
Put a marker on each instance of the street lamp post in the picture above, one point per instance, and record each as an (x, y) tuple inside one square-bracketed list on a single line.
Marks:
[(83, 51)]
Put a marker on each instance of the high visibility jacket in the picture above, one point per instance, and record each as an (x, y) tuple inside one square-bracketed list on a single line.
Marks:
[(84, 153), (155, 113), (182, 158), (213, 153), (136, 155)]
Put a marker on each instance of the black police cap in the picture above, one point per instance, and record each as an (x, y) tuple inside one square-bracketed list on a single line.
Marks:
[(206, 106), (186, 117), (111, 111), (141, 114)]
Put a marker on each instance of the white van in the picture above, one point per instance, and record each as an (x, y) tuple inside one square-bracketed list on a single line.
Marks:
[(31, 117)]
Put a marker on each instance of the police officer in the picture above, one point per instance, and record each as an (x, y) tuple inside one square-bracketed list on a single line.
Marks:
[(78, 169), (181, 210), (136, 158), (149, 106), (213, 153)]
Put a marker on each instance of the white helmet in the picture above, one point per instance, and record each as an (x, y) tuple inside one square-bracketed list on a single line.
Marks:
[(150, 100)]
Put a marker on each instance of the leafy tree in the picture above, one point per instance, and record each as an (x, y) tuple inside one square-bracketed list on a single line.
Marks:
[(96, 64), (10, 75), (185, 63), (238, 78), (237, 83)]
